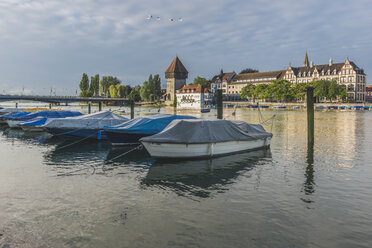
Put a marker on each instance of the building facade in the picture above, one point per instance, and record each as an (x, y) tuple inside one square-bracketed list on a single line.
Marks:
[(175, 75), (369, 93), (347, 74), (193, 96)]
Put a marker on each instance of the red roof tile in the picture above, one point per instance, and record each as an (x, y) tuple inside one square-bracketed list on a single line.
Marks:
[(176, 66)]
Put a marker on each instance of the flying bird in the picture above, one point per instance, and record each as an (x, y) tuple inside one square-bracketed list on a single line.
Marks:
[(149, 17), (180, 19), (158, 18), (171, 19)]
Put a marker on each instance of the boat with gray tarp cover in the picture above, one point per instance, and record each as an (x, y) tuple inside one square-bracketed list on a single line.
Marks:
[(206, 138)]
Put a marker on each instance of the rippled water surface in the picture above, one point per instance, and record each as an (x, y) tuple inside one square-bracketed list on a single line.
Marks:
[(288, 196)]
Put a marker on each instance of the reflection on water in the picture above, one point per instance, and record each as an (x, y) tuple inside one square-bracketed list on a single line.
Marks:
[(201, 177), (57, 194)]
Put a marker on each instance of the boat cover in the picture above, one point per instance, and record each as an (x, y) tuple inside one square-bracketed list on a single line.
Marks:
[(92, 121), (147, 124), (40, 120), (207, 131), (46, 113), (14, 115)]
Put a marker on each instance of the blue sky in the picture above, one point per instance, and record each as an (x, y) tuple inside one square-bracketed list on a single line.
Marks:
[(49, 44)]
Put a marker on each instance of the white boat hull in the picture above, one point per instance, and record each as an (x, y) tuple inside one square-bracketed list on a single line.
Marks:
[(13, 124), (169, 150), (32, 128)]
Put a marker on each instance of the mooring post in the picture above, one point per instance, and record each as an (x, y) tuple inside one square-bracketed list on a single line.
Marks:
[(89, 108), (131, 109), (99, 106), (310, 115), (50, 106), (16, 104), (219, 105)]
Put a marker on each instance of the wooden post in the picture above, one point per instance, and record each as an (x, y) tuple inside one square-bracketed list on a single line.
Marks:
[(131, 109), (50, 106), (99, 106), (310, 115), (16, 104), (89, 108), (219, 105)]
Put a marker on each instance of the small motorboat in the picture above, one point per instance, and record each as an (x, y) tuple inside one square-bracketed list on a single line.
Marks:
[(342, 107), (280, 107), (205, 110), (263, 106), (85, 126), (129, 133), (35, 124), (319, 107), (296, 107), (15, 121), (332, 107), (206, 138)]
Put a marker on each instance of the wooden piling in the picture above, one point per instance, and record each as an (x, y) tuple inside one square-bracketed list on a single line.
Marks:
[(89, 108), (50, 106), (310, 115), (99, 106), (131, 109), (16, 104), (219, 105)]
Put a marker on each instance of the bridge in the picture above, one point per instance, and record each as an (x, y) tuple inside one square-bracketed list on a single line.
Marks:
[(62, 99)]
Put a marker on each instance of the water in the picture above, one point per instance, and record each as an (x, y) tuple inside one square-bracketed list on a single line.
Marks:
[(288, 196)]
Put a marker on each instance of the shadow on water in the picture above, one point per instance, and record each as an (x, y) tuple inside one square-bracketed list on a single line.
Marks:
[(202, 178), (29, 137)]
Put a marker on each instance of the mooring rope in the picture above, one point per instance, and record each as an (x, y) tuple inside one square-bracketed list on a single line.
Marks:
[(78, 141), (139, 147)]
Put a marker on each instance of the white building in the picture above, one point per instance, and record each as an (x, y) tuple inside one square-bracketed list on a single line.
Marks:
[(191, 96)]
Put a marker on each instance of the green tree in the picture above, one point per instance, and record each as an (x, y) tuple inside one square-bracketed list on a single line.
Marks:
[(248, 70), (84, 85), (106, 82), (260, 91), (123, 91), (157, 87), (145, 90), (134, 94), (247, 91), (201, 81), (94, 85)]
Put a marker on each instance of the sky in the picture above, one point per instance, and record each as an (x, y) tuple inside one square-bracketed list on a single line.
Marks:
[(49, 44)]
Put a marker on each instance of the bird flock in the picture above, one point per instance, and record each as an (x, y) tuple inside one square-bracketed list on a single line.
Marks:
[(150, 17)]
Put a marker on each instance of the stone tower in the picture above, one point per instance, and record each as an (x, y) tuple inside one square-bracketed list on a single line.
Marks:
[(176, 75)]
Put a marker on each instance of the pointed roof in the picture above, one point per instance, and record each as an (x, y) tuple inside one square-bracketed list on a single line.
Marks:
[(176, 66), (306, 61)]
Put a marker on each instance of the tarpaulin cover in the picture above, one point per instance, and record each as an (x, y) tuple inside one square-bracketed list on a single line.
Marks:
[(40, 120), (147, 124), (207, 131), (14, 115), (46, 113), (92, 121)]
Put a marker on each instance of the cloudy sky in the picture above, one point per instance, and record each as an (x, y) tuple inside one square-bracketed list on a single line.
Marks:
[(48, 44)]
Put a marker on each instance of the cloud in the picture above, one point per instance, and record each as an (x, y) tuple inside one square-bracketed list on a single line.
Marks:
[(49, 43)]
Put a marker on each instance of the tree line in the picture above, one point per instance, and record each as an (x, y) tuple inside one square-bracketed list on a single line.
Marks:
[(112, 87), (285, 91)]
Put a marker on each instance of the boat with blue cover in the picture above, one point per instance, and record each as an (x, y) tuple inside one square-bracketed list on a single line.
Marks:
[(34, 125), (332, 107), (131, 131), (205, 110), (85, 126), (15, 121)]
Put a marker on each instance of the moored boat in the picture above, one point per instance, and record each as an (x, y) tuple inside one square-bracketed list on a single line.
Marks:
[(206, 138), (130, 132), (205, 110), (16, 120), (35, 124), (86, 126)]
